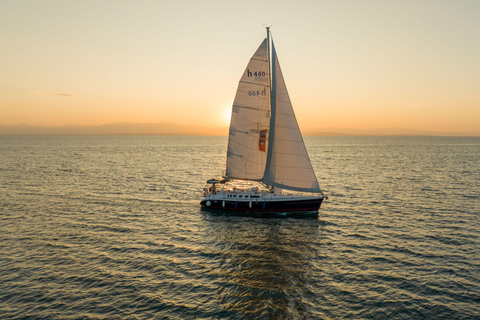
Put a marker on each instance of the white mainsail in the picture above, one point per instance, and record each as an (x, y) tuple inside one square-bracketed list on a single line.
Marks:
[(265, 142), (247, 143), (288, 165)]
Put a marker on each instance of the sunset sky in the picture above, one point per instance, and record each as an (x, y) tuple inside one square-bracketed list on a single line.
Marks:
[(347, 64)]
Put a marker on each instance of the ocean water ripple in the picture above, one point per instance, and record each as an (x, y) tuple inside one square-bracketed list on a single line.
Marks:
[(108, 227)]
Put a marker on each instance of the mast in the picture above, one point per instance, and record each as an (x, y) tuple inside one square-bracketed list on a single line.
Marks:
[(269, 60), (272, 102)]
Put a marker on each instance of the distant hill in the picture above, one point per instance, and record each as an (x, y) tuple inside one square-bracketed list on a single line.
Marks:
[(115, 129), (383, 132), (165, 128)]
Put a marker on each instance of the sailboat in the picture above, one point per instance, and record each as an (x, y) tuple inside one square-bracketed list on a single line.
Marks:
[(266, 153)]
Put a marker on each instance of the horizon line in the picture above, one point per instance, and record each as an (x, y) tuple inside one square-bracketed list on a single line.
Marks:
[(168, 128)]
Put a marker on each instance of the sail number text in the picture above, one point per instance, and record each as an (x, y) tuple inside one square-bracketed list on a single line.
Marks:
[(256, 73), (257, 93)]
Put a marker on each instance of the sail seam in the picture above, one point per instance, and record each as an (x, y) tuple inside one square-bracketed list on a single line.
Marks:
[(250, 108), (241, 168), (254, 83), (249, 122)]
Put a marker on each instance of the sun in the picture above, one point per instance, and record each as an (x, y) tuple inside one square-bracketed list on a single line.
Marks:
[(227, 114)]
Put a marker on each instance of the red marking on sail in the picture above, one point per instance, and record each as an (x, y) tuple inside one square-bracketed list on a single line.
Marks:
[(262, 140)]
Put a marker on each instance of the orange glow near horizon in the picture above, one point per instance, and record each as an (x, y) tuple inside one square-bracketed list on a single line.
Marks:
[(356, 65)]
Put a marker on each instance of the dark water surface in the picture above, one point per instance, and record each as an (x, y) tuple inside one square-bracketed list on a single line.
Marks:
[(109, 227)]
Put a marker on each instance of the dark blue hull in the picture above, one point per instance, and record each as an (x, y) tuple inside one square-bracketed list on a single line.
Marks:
[(312, 204)]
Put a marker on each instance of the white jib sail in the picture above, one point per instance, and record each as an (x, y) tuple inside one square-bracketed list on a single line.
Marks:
[(288, 165), (248, 135)]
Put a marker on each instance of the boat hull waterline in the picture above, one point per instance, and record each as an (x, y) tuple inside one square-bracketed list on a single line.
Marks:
[(281, 204)]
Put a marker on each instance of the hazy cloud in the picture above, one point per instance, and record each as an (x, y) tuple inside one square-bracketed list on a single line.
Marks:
[(44, 93), (63, 94)]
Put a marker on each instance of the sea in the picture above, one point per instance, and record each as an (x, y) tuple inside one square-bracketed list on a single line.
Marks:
[(110, 227)]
